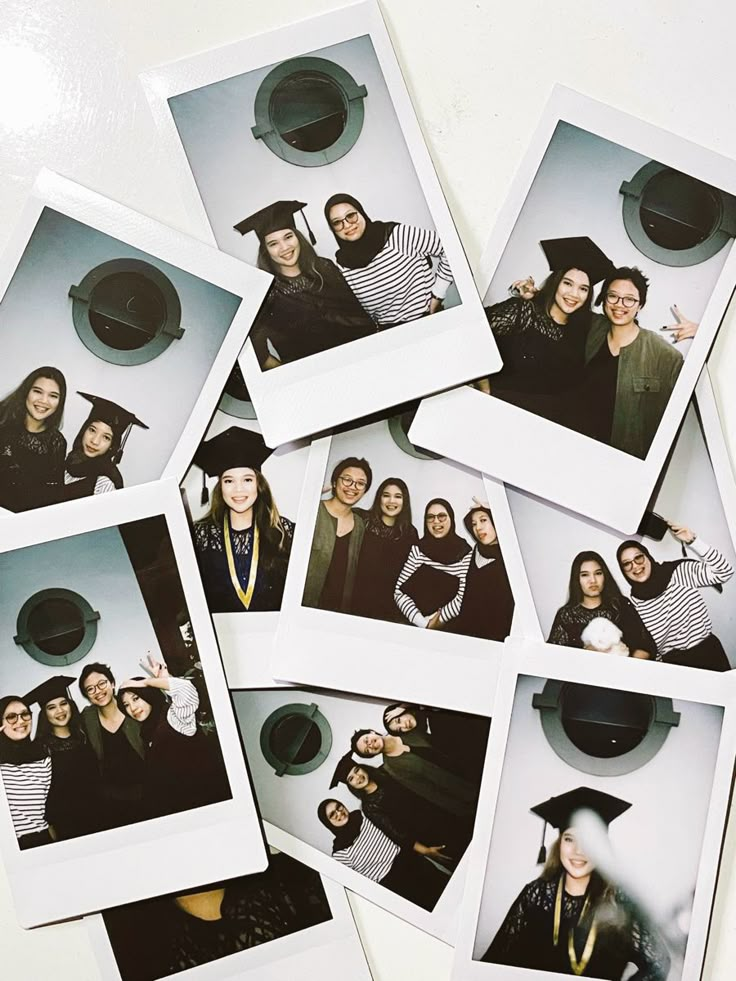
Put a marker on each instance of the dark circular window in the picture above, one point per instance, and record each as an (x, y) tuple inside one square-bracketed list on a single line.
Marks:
[(235, 399), (296, 739), (675, 219), (309, 111), (126, 311), (603, 731), (399, 425), (57, 626)]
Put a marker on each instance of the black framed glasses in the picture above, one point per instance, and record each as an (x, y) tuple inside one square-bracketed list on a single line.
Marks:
[(351, 218), (625, 301), (349, 482), (638, 560), (12, 717)]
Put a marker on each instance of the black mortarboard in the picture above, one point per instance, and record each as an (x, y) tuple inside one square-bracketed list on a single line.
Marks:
[(275, 217), (577, 253), (56, 687), (120, 420), (235, 447), (344, 765), (559, 811)]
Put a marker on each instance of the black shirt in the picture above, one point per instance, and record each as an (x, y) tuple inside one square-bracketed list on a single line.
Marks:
[(334, 587), (122, 767), (598, 395)]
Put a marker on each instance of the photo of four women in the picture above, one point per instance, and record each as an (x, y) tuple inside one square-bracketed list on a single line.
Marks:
[(373, 563), (664, 617), (133, 753), (35, 467), (417, 807), (600, 374), (385, 273)]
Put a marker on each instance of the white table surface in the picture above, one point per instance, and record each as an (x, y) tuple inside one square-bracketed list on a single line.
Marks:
[(479, 73)]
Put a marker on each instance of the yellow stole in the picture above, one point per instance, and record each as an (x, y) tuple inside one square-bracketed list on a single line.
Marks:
[(245, 596), (578, 966)]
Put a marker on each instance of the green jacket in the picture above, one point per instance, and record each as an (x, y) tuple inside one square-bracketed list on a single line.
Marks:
[(323, 544), (647, 371), (93, 728)]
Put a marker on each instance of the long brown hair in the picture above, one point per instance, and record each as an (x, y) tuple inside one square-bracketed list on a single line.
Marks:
[(307, 261), (601, 891), (13, 406), (544, 299)]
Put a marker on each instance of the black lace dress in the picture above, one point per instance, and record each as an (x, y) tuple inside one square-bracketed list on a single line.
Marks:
[(526, 937), (74, 805), (570, 622), (31, 467), (222, 597), (382, 555)]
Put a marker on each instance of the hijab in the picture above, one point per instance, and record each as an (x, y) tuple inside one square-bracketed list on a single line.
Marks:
[(345, 836), (18, 751), (357, 255), (78, 464), (492, 551), (660, 575), (449, 549)]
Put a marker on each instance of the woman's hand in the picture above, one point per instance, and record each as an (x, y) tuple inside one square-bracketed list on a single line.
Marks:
[(134, 683), (682, 534), (431, 851), (270, 362), (434, 621), (684, 329), (480, 503), (435, 305), (525, 288), (158, 669)]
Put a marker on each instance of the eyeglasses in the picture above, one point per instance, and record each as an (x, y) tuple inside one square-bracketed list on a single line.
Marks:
[(437, 517), (349, 482), (100, 686), (12, 717), (625, 301), (638, 559), (351, 218)]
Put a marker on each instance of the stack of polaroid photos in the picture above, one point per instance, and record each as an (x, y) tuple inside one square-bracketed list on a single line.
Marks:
[(319, 571)]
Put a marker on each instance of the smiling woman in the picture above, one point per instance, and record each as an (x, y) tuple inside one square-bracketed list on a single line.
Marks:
[(26, 773)]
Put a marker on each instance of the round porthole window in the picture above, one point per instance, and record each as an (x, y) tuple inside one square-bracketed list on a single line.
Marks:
[(603, 731), (235, 399), (675, 219), (296, 739), (309, 111), (126, 311), (57, 626)]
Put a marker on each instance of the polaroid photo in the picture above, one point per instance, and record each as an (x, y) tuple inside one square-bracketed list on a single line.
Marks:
[(404, 565), (242, 500), (667, 593), (118, 336), (606, 795), (118, 743), (379, 794), (605, 282), (286, 922), (300, 152)]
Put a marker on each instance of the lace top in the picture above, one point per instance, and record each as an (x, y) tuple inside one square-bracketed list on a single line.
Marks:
[(570, 621), (31, 467)]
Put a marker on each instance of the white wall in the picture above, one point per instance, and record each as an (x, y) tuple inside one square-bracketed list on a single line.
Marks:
[(550, 537), (290, 802), (576, 192), (658, 839), (95, 565), (38, 329), (237, 174)]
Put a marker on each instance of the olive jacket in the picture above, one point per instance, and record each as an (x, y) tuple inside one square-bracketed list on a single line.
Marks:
[(323, 544)]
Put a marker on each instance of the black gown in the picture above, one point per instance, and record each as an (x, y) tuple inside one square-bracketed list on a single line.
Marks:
[(488, 604), (526, 937), (382, 556), (31, 467), (73, 807)]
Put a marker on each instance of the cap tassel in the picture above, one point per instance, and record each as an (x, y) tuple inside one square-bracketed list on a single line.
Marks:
[(205, 495), (542, 856), (123, 440), (312, 239)]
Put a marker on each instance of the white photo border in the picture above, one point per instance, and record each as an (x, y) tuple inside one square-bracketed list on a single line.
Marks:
[(525, 657), (348, 382), (206, 833), (560, 461)]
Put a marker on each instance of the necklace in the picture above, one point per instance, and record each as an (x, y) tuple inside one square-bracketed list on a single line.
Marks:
[(246, 596), (578, 966)]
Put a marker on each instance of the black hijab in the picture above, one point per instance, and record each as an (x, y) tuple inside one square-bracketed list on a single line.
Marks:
[(155, 698), (449, 549), (17, 751), (659, 578), (492, 551), (358, 254), (345, 836)]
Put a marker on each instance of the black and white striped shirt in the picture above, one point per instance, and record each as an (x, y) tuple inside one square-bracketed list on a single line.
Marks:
[(371, 854), (406, 604), (26, 788), (397, 285), (182, 713), (678, 618)]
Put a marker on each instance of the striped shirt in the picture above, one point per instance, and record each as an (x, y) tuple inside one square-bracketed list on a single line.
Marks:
[(103, 485), (26, 788), (182, 714), (371, 854), (678, 618), (397, 285), (406, 604)]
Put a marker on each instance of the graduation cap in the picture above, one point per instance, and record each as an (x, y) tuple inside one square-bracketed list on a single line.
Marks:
[(344, 765), (56, 687), (577, 253), (559, 811), (280, 214), (235, 447), (120, 420)]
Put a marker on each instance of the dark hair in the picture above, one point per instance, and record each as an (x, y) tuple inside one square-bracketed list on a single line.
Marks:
[(545, 297), (353, 461), (93, 668), (634, 275), (468, 519), (155, 698), (374, 774), (403, 518), (13, 406), (44, 729), (600, 890), (117, 435), (354, 744), (308, 259), (611, 595)]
